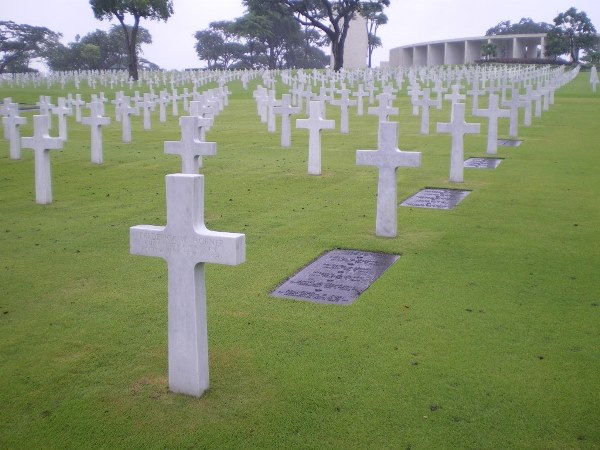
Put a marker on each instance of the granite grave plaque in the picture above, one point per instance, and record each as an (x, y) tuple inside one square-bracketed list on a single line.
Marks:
[(482, 163), (509, 143), (434, 198), (336, 278)]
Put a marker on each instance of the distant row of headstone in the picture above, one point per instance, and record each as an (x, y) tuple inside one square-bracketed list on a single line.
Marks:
[(185, 242)]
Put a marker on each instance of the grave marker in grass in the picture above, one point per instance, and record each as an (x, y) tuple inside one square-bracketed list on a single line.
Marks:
[(387, 158), (189, 147), (96, 121), (457, 127), (493, 113), (41, 144), (187, 245), (12, 122), (315, 124)]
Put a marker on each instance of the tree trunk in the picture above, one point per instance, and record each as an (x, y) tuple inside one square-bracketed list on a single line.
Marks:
[(131, 44), (337, 49)]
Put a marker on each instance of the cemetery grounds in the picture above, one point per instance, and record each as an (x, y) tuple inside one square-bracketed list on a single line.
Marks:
[(484, 334)]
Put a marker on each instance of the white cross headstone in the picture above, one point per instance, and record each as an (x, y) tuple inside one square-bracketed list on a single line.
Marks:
[(126, 112), (205, 120), (78, 103), (187, 245), (384, 110), (344, 103), (62, 111), (315, 124), (360, 95), (458, 128), (493, 113), (387, 158), (285, 109), (147, 104), (515, 103), (426, 102), (12, 122), (189, 147), (96, 121), (41, 143), (455, 96)]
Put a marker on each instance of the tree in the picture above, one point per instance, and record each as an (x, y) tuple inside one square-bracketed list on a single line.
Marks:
[(332, 17), (19, 43), (139, 9), (373, 13), (489, 50), (98, 50), (525, 26), (270, 27), (261, 38), (576, 29)]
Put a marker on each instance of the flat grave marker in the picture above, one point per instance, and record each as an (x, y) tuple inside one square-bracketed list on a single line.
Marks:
[(509, 143), (338, 277), (482, 163), (436, 198)]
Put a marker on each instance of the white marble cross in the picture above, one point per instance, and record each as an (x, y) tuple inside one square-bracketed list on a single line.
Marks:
[(493, 113), (315, 124), (384, 110), (285, 109), (455, 96), (514, 104), (360, 95), (344, 103), (162, 101), (387, 158), (174, 98), (41, 143), (12, 122), (189, 147), (272, 102), (96, 121), (147, 105), (62, 111), (126, 111), (77, 103), (186, 245), (426, 102), (458, 128), (205, 120)]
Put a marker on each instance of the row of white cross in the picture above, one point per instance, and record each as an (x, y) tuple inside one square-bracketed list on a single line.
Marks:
[(187, 245)]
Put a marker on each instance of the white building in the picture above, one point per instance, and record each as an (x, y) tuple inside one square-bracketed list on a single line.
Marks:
[(467, 50)]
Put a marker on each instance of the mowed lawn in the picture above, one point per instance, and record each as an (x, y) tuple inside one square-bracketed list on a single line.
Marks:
[(484, 334)]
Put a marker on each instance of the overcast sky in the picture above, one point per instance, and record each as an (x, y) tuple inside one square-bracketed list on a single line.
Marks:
[(411, 21)]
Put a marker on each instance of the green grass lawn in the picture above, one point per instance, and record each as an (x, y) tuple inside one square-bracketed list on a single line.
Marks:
[(484, 334)]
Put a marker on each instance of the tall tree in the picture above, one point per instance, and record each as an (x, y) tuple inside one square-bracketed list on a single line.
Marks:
[(138, 9), (19, 43), (270, 26), (577, 30), (332, 17), (98, 50), (375, 17)]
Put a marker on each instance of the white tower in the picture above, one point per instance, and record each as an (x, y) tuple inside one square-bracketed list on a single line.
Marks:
[(356, 48)]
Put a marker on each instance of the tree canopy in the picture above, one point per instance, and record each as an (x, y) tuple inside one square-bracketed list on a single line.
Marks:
[(573, 31), (19, 43), (331, 17), (524, 26), (138, 9), (98, 50), (263, 37)]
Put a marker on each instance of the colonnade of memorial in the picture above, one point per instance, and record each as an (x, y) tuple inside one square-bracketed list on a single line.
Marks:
[(467, 50)]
